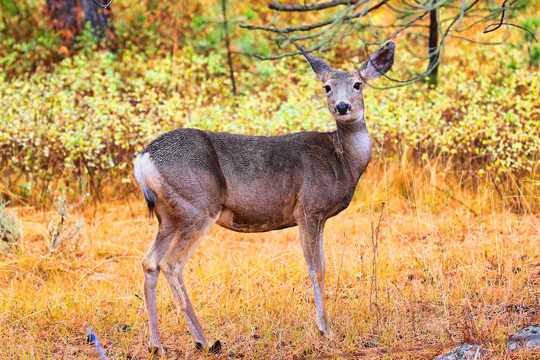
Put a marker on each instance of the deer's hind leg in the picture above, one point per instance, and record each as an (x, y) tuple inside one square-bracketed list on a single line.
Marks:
[(189, 234), (150, 265)]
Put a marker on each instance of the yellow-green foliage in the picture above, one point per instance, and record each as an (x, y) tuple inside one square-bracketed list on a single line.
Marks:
[(484, 113), (95, 111), (10, 232)]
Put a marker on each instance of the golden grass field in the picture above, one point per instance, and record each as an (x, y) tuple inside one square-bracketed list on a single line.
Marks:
[(451, 266)]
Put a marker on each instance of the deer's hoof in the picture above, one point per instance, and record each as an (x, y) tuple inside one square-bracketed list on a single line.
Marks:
[(216, 348), (157, 350), (329, 334)]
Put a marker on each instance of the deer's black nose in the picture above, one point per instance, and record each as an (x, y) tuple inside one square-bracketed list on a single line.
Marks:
[(342, 108)]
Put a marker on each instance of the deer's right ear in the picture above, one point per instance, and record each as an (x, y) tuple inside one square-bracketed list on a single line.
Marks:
[(318, 65)]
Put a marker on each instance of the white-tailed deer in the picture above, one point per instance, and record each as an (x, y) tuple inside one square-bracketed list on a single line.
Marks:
[(193, 179)]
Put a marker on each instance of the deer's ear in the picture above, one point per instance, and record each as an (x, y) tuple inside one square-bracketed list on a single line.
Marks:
[(319, 66), (379, 63)]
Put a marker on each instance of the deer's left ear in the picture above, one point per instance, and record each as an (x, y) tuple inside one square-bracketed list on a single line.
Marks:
[(319, 66), (379, 63)]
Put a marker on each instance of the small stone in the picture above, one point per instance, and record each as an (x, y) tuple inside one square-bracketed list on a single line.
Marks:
[(236, 355), (465, 352), (239, 340), (369, 344), (528, 338)]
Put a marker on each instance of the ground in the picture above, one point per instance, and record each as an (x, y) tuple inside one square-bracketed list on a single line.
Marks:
[(424, 275)]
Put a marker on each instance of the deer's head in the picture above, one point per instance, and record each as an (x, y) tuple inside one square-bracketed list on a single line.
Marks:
[(344, 88)]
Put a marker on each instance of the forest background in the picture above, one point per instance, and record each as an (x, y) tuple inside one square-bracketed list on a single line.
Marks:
[(439, 246)]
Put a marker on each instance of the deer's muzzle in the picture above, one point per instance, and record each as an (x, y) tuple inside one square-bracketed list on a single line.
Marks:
[(343, 108)]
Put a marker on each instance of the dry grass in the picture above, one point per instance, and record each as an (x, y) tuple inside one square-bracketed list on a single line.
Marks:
[(452, 266)]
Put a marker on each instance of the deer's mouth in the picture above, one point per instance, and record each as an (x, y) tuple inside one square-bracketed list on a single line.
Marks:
[(349, 117), (345, 119)]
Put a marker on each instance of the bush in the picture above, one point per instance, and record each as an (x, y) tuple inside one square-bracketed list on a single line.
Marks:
[(483, 117), (63, 226), (10, 233), (88, 118), (79, 122)]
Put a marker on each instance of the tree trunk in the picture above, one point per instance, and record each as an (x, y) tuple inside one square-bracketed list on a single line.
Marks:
[(228, 44), (69, 18), (433, 46)]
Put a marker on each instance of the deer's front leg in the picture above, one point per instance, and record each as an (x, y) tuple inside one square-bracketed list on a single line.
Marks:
[(311, 236)]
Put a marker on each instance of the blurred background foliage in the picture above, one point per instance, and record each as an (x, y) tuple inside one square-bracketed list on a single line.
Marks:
[(77, 105)]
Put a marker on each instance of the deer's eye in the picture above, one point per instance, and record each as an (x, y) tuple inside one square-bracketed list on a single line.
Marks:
[(327, 88), (357, 86)]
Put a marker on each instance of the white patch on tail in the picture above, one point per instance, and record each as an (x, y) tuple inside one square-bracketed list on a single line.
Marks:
[(148, 178), (146, 173)]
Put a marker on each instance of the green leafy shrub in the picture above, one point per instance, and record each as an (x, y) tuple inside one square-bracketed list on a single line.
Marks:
[(64, 226), (486, 122), (10, 233), (532, 24), (91, 115), (87, 116)]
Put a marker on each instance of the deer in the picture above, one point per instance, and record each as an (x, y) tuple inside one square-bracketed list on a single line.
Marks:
[(192, 179)]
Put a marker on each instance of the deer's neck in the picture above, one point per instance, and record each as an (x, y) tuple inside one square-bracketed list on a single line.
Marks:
[(353, 141)]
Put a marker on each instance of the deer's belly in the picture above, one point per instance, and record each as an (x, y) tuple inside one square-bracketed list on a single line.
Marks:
[(254, 221)]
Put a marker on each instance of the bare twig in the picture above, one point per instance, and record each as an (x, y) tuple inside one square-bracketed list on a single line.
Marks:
[(375, 244), (311, 7), (410, 14), (500, 22), (103, 6), (291, 29)]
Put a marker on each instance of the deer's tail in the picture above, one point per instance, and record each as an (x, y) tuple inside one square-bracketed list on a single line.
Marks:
[(145, 173)]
